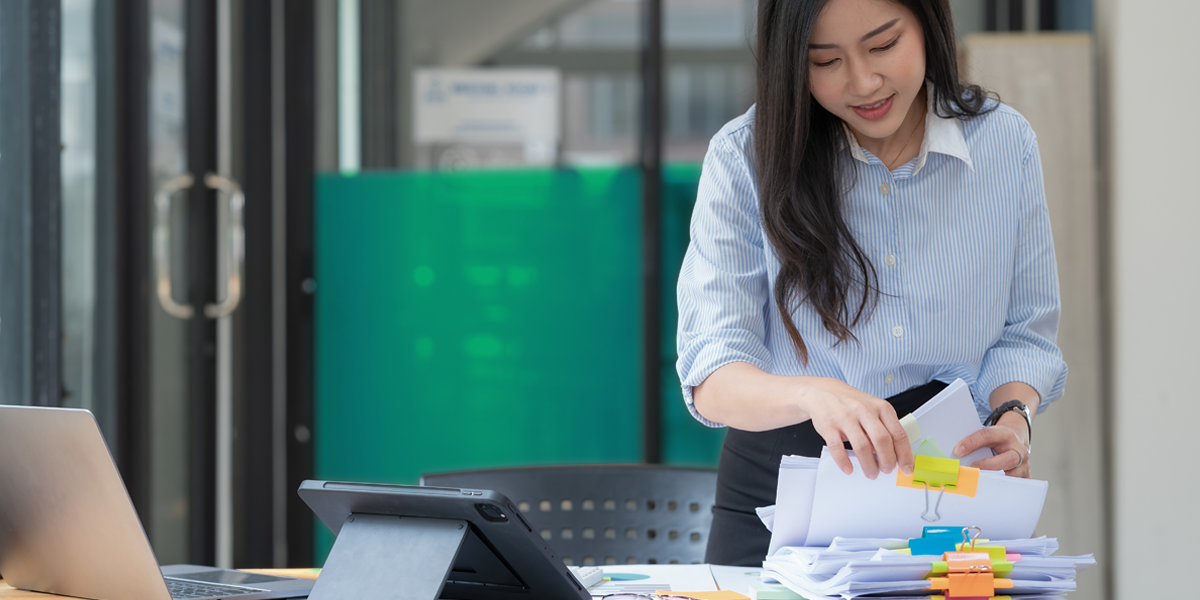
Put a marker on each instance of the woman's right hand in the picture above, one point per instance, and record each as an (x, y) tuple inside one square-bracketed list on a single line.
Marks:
[(842, 413)]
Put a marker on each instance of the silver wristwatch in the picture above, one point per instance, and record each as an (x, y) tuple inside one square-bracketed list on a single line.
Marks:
[(1017, 406)]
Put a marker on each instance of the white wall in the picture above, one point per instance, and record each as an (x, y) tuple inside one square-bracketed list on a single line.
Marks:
[(1151, 87), (1040, 75)]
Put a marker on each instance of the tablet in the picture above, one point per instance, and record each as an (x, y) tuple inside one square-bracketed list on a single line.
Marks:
[(408, 536)]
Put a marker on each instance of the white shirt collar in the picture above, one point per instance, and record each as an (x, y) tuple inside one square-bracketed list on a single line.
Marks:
[(942, 135)]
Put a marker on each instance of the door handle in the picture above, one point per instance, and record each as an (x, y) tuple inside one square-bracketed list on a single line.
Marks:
[(162, 246), (236, 249)]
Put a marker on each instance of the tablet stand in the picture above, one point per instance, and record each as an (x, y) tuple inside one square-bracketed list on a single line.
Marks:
[(377, 557)]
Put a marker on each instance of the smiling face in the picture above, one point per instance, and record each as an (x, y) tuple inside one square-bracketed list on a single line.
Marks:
[(866, 64)]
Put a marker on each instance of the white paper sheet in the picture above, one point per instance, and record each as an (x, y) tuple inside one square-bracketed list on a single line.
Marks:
[(766, 514), (646, 579), (793, 501), (854, 506), (949, 417)]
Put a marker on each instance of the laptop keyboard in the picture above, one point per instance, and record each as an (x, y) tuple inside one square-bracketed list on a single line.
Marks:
[(182, 589)]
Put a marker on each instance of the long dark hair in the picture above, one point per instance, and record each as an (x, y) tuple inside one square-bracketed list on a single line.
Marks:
[(799, 163)]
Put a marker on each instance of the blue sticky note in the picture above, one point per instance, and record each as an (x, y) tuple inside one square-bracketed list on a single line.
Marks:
[(954, 533), (931, 546), (935, 541)]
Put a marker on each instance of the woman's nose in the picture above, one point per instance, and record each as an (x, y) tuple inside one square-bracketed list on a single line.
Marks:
[(864, 80)]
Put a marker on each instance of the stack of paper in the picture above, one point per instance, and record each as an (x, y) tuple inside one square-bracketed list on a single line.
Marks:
[(844, 536), (850, 568)]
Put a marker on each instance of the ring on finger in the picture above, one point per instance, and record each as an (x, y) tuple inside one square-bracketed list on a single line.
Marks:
[(1020, 459)]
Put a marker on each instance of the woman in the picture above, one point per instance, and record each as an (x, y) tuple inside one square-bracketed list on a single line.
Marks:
[(871, 229)]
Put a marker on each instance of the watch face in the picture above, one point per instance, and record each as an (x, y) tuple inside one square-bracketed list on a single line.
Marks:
[(1011, 405)]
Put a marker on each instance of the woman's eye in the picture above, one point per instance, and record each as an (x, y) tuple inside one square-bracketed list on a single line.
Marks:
[(888, 46), (824, 64)]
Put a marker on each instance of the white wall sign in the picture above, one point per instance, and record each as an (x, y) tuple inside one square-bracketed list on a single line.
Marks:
[(486, 105)]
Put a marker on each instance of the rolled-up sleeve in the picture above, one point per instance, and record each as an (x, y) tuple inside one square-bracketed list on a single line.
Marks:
[(1027, 351), (723, 288)]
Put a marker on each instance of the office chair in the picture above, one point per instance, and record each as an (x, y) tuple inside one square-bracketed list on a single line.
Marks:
[(606, 514)]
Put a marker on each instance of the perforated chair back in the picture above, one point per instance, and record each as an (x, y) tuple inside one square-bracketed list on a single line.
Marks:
[(606, 514)]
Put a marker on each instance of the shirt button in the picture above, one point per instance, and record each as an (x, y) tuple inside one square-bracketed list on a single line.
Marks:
[(885, 189), (890, 260), (889, 378), (898, 331)]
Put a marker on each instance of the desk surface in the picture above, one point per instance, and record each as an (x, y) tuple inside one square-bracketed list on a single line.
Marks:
[(7, 591), (734, 578)]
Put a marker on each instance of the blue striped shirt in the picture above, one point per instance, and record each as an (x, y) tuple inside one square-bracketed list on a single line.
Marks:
[(960, 240)]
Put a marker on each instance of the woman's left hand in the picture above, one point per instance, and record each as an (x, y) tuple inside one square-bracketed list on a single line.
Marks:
[(1008, 439)]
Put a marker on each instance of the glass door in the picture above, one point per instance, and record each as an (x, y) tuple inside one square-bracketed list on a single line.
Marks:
[(194, 209), (139, 281), (228, 431)]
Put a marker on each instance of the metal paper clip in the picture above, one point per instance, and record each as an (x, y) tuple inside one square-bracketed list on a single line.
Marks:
[(978, 532), (936, 516)]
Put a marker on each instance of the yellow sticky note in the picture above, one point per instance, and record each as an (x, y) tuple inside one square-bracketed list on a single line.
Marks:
[(714, 595)]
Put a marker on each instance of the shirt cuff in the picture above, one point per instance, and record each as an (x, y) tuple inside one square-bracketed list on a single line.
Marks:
[(1047, 375), (691, 406)]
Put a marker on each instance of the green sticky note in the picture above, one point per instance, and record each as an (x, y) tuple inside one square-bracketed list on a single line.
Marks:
[(930, 448), (1001, 568)]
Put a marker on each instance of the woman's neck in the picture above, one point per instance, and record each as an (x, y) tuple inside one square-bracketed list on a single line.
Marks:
[(903, 145)]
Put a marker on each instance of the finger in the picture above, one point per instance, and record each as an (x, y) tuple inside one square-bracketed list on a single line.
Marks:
[(885, 451), (863, 450), (1021, 471), (984, 438), (833, 441), (1007, 460), (1013, 457), (1000, 462), (900, 441)]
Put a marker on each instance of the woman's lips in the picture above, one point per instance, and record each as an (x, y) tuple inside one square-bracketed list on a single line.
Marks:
[(877, 110)]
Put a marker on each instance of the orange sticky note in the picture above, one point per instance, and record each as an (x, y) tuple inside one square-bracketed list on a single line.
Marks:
[(972, 584), (963, 562), (714, 595)]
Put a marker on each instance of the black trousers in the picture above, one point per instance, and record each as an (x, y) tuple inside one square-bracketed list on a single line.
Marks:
[(748, 474)]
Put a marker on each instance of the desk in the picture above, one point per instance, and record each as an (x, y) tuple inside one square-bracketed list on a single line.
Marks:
[(735, 578), (7, 592)]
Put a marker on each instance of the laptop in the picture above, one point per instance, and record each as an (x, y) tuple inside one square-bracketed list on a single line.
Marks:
[(67, 525)]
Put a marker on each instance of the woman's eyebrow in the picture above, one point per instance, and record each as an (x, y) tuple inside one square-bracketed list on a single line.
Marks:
[(869, 35)]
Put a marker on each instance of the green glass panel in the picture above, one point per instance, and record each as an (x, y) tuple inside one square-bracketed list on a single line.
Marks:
[(473, 320), (483, 319)]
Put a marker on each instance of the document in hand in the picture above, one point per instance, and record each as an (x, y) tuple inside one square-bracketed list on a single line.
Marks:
[(947, 418), (816, 502), (854, 506)]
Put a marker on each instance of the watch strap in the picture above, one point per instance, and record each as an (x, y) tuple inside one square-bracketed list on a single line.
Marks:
[(1011, 405)]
